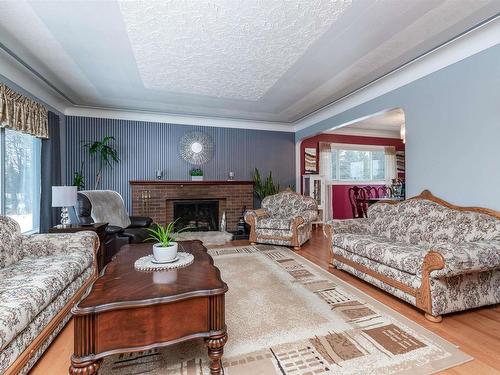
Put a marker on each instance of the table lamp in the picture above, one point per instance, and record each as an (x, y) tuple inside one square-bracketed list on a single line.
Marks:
[(64, 196)]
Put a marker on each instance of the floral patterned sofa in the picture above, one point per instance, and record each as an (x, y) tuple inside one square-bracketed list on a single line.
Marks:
[(41, 277), (284, 219), (436, 256)]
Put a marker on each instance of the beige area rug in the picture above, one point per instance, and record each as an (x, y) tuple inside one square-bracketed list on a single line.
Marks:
[(287, 316), (208, 238)]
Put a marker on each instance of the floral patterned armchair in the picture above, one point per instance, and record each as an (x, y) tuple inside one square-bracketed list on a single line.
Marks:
[(285, 219), (41, 277), (436, 256)]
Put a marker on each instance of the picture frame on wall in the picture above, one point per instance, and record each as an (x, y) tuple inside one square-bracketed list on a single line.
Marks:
[(310, 160)]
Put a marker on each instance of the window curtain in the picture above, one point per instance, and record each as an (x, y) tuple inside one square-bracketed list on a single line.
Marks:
[(18, 112), (390, 164), (325, 160), (325, 171), (50, 173)]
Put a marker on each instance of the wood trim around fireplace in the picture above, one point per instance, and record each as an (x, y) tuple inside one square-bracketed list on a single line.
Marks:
[(188, 182)]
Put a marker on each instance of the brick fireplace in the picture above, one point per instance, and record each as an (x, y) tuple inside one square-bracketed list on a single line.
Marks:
[(156, 198)]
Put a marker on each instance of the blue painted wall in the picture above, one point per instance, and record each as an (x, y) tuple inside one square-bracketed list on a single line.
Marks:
[(145, 147), (452, 129)]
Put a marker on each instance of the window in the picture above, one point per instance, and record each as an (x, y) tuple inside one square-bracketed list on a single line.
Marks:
[(344, 163), (20, 178)]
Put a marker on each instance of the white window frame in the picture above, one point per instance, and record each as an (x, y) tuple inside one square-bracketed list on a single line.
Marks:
[(355, 147), (37, 177)]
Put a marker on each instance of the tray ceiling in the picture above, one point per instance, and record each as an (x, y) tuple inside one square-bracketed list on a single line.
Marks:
[(258, 60)]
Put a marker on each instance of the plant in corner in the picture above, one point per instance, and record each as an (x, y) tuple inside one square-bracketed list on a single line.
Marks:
[(78, 179), (196, 174), (106, 153), (264, 188), (165, 249)]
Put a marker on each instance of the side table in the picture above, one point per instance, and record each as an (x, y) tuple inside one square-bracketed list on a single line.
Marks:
[(99, 228)]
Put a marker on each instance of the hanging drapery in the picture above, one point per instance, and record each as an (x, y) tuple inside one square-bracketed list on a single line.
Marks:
[(325, 160), (50, 174), (18, 112), (390, 164), (325, 171)]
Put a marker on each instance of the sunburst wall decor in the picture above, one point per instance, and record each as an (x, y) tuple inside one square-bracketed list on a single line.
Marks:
[(196, 147)]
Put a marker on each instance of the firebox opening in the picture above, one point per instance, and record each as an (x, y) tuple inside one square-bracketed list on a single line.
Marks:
[(202, 215)]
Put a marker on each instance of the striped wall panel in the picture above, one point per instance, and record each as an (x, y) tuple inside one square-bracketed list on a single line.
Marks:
[(145, 147)]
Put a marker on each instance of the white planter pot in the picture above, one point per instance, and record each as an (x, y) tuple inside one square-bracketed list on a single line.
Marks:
[(196, 178), (164, 254)]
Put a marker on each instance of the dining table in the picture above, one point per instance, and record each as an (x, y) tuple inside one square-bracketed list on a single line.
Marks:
[(374, 200)]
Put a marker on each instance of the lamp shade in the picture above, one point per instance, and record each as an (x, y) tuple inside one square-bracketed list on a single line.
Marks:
[(63, 196)]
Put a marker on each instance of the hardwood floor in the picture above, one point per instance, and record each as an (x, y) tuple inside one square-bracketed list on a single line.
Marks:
[(476, 332)]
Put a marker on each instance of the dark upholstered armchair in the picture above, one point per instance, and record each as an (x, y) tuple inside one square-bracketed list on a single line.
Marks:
[(107, 206)]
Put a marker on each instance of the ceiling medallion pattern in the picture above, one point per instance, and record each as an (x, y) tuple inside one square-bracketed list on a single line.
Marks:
[(196, 147)]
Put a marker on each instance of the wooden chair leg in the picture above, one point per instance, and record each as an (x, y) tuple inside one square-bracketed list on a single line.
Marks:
[(296, 248), (433, 319)]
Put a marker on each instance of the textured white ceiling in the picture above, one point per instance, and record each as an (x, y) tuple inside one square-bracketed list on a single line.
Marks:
[(264, 60), (223, 48)]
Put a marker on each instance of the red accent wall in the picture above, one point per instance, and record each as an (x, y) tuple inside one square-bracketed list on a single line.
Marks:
[(340, 199)]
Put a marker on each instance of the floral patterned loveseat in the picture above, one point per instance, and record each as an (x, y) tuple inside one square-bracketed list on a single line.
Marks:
[(41, 277), (284, 219), (436, 256)]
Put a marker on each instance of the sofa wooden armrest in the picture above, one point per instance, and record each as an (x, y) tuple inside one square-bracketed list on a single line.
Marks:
[(433, 261)]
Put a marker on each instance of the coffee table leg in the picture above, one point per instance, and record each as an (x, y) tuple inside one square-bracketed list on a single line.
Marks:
[(215, 351), (84, 368)]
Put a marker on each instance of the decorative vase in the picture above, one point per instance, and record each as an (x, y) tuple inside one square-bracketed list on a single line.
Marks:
[(164, 254), (196, 178), (223, 222)]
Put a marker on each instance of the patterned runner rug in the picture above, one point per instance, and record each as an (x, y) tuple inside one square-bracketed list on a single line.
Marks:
[(287, 316)]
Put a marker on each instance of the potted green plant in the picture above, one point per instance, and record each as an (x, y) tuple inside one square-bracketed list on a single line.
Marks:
[(263, 188), (79, 179), (165, 250), (196, 174)]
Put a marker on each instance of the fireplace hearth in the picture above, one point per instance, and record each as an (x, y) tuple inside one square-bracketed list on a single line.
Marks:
[(201, 215)]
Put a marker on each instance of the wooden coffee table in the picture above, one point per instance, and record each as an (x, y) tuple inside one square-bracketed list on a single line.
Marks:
[(128, 310)]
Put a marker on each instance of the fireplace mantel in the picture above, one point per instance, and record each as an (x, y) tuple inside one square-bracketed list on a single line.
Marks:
[(189, 182), (155, 198)]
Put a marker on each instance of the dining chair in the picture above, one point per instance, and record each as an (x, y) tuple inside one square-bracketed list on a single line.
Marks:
[(385, 192), (358, 201), (371, 192)]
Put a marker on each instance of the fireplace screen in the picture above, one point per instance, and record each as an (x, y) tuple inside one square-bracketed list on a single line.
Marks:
[(202, 215)]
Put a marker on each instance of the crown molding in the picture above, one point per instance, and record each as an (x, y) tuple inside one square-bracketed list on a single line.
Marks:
[(16, 71), (467, 44), (217, 122)]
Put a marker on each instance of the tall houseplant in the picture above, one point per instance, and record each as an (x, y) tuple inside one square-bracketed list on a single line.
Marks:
[(263, 188), (106, 153)]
